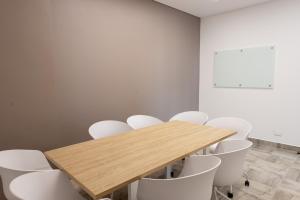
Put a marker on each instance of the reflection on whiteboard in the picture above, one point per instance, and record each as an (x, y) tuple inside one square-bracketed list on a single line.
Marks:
[(245, 68)]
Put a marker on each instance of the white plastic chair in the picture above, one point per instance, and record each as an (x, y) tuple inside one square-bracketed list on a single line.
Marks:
[(194, 183), (232, 153), (191, 116), (108, 128), (47, 185), (14, 163), (241, 126), (142, 121)]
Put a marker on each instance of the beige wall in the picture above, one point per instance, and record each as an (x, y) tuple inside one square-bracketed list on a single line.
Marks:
[(67, 63)]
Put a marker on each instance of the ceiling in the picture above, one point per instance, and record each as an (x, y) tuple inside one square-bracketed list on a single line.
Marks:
[(203, 8)]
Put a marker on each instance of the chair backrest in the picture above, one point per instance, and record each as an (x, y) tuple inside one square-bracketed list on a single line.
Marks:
[(241, 126), (142, 121), (232, 153), (108, 128), (47, 185), (14, 163), (191, 116), (194, 183)]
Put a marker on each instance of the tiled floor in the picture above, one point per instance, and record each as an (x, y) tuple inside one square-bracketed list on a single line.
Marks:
[(274, 174)]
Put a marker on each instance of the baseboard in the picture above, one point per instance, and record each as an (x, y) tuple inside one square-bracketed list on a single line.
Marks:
[(277, 145)]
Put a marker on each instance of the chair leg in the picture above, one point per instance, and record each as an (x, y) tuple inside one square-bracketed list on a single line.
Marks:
[(221, 194), (215, 193), (230, 193), (247, 182)]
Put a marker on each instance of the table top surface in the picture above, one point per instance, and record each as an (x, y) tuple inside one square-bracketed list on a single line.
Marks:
[(104, 165)]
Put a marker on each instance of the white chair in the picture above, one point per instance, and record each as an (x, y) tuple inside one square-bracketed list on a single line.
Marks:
[(108, 128), (47, 185), (194, 183), (14, 163), (142, 121), (241, 126), (191, 116), (232, 153)]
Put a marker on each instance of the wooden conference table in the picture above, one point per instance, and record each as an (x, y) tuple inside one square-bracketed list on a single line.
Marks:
[(105, 165)]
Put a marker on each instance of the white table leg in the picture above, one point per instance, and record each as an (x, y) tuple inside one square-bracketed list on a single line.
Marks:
[(168, 171), (132, 190)]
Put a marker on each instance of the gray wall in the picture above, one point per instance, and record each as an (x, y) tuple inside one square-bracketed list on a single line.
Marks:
[(65, 64)]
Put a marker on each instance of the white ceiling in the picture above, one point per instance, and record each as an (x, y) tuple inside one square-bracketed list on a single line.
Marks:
[(203, 8)]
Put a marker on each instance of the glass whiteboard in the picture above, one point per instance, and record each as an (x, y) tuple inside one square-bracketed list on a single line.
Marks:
[(245, 68)]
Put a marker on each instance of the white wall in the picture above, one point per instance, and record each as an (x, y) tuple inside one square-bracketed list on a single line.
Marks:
[(272, 112)]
